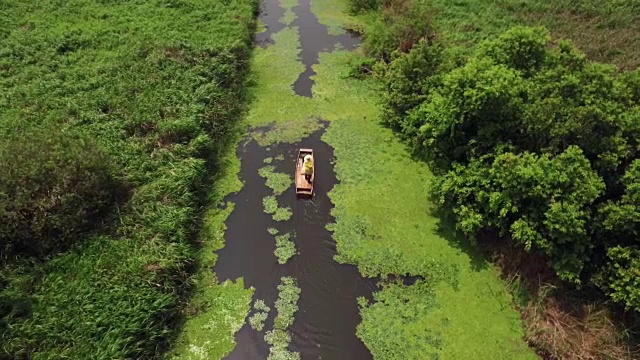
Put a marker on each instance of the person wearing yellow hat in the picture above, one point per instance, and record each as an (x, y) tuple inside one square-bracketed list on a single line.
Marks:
[(307, 167)]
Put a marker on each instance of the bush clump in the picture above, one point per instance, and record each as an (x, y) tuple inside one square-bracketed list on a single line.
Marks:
[(534, 141), (398, 27)]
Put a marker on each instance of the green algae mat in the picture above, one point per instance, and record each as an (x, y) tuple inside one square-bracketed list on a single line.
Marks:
[(457, 307)]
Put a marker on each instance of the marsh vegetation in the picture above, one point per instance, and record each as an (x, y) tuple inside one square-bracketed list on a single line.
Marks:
[(463, 132), (112, 116)]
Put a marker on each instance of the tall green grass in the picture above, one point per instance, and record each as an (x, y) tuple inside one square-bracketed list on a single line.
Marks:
[(607, 31), (158, 85)]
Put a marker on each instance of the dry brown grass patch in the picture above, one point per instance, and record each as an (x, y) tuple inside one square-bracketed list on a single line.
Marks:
[(560, 323), (583, 332)]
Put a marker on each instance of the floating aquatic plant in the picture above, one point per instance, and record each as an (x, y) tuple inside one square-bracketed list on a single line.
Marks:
[(285, 248), (287, 304)]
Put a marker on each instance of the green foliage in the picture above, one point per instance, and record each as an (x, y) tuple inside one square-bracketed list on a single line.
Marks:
[(622, 216), (272, 231), (606, 30), (400, 25), (286, 305), (528, 139), (55, 184), (540, 201), (471, 112), (359, 6), (157, 95), (278, 182), (623, 275), (407, 82), (285, 248), (203, 335), (621, 228), (523, 49)]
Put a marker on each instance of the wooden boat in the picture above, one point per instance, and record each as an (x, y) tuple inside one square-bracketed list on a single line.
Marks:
[(304, 187)]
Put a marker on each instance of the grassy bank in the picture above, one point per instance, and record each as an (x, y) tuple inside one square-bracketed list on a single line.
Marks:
[(215, 311), (154, 86), (606, 31)]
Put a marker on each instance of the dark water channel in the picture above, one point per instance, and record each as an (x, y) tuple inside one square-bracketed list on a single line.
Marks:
[(325, 324), (270, 14), (315, 39)]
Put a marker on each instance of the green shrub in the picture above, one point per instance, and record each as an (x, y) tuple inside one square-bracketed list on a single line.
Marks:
[(476, 107), (532, 140), (520, 48), (541, 202), (623, 276), (55, 184), (402, 24), (408, 80), (621, 217), (359, 6)]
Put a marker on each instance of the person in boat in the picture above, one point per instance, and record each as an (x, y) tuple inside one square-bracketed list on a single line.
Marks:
[(307, 167)]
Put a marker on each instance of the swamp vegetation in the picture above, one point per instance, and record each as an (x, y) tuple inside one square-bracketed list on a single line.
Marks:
[(112, 116), (453, 128)]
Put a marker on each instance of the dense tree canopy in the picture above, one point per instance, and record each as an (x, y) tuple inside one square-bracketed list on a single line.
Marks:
[(531, 139)]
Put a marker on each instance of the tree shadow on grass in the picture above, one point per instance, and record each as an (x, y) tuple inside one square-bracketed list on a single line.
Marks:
[(446, 229)]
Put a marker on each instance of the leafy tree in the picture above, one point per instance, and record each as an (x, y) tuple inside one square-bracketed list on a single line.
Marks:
[(621, 217), (408, 80), (541, 202), (534, 141), (520, 48), (476, 108), (623, 275)]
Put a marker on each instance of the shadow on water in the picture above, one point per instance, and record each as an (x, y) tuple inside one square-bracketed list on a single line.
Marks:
[(326, 321), (315, 39)]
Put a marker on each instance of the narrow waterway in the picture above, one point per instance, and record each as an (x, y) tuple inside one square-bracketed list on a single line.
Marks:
[(315, 39), (270, 15), (325, 324)]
